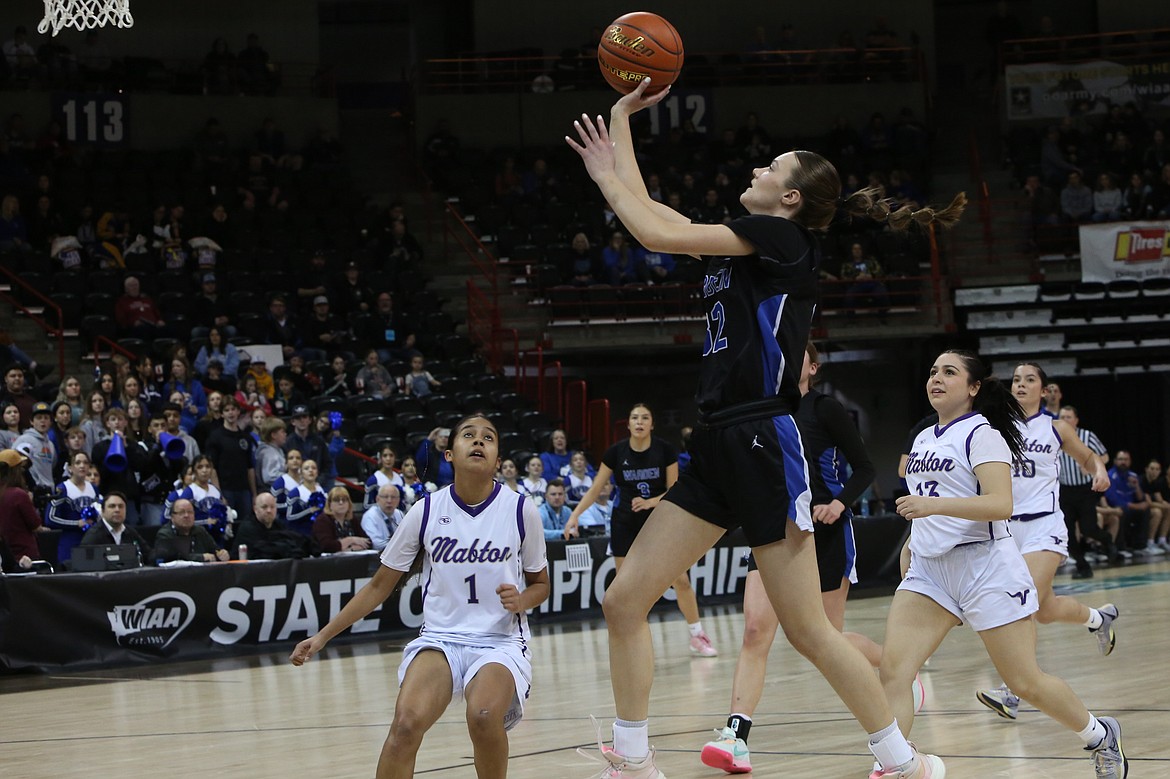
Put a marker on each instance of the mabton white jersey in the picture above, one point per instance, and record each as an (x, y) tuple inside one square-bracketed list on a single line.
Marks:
[(468, 553), (942, 464), (1034, 476)]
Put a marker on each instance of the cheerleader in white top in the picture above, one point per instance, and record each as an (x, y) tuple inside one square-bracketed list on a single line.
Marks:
[(307, 501), (386, 474), (483, 567), (964, 567), (1037, 523), (69, 511), (284, 486), (210, 509)]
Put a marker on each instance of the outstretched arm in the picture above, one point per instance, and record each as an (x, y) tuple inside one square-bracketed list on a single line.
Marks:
[(368, 598), (655, 232), (625, 162)]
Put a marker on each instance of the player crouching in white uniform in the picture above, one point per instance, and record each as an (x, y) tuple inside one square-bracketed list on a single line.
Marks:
[(483, 568), (963, 564)]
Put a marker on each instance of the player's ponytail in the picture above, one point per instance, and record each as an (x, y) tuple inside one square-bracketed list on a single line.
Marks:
[(994, 400), (869, 203)]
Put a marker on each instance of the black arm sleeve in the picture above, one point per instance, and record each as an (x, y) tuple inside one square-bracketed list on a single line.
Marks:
[(837, 422)]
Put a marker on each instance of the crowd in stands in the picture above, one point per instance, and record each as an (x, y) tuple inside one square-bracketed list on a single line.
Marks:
[(1093, 166)]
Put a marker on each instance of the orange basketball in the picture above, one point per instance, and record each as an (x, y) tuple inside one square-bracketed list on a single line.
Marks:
[(638, 45)]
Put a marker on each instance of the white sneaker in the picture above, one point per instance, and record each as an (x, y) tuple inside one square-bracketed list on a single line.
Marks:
[(1001, 700), (1153, 550), (619, 767)]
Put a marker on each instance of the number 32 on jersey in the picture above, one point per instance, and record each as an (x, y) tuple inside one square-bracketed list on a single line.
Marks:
[(716, 321)]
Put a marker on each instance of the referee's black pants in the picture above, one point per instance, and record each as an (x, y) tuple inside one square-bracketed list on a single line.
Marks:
[(1079, 505)]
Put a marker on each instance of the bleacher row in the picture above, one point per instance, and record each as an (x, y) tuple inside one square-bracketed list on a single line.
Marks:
[(1081, 328)]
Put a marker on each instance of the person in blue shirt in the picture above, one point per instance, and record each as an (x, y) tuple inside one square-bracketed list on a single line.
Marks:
[(600, 514), (556, 459), (553, 512), (1125, 493)]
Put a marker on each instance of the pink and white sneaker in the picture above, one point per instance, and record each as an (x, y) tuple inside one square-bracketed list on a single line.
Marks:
[(701, 646)]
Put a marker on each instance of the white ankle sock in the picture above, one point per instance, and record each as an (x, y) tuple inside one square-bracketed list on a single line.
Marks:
[(1094, 621), (1094, 733), (631, 740), (695, 627), (890, 747)]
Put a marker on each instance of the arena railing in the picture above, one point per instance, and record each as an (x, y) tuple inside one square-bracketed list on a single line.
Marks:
[(511, 72), (1120, 46), (56, 333)]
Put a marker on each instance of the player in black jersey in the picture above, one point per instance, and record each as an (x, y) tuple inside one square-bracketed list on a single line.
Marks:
[(748, 467), (644, 467)]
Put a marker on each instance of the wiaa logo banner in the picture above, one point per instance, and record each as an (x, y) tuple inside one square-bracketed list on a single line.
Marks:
[(153, 622)]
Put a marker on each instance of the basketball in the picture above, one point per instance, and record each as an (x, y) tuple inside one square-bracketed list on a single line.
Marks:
[(640, 45)]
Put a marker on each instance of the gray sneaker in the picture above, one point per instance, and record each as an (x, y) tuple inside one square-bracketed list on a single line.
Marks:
[(1106, 639), (1001, 700), (1109, 756)]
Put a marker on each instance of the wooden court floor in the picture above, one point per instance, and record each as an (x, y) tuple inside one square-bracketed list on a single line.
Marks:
[(261, 717)]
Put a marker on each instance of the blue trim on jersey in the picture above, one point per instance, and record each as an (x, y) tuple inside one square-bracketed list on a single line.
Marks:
[(940, 430), (475, 512), (520, 515), (795, 466), (768, 315), (422, 526), (850, 549), (967, 443), (832, 470)]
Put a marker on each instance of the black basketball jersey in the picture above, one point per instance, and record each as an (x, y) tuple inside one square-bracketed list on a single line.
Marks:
[(832, 445), (639, 474), (759, 311)]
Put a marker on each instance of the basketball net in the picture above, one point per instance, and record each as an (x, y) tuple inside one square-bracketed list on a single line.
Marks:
[(84, 14)]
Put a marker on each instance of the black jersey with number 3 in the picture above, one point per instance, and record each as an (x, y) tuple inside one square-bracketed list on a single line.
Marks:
[(759, 312), (639, 474)]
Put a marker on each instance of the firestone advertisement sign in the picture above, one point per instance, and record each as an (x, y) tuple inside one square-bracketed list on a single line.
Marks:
[(1125, 250)]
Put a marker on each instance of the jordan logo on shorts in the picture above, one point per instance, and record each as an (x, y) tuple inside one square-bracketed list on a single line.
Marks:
[(1023, 596), (756, 442)]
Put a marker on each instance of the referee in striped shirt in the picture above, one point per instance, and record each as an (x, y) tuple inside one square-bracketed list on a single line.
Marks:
[(1077, 500)]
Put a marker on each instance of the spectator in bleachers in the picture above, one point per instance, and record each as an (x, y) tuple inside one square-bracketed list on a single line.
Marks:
[(130, 390), (509, 475), (66, 511), (211, 512), (257, 188), (352, 294), (258, 369), (622, 260), (865, 288), (231, 451), (19, 519), (166, 238), (137, 314), (287, 395), (1041, 206), (214, 379), (581, 266), (172, 413), (1107, 201), (250, 398), (219, 69), (373, 379), (437, 470), (1157, 155), (1076, 200), (255, 75), (1055, 165), (534, 484), (539, 183), (1135, 198), (220, 228), (335, 530), (93, 420), (654, 188), (400, 248), (419, 382), (282, 329), (37, 445), (336, 383), (1120, 155), (62, 420), (903, 190), (182, 539), (508, 185), (270, 143), (108, 385), (217, 348), (70, 392), (307, 501), (1160, 194), (1125, 493), (16, 392), (556, 459), (113, 477), (21, 57), (388, 330), (136, 418), (386, 475), (255, 421), (313, 281), (711, 211), (307, 441), (159, 472), (182, 381), (44, 224), (553, 511), (211, 309), (306, 381), (1154, 484), (9, 424), (380, 520), (578, 479), (13, 231), (415, 487)]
